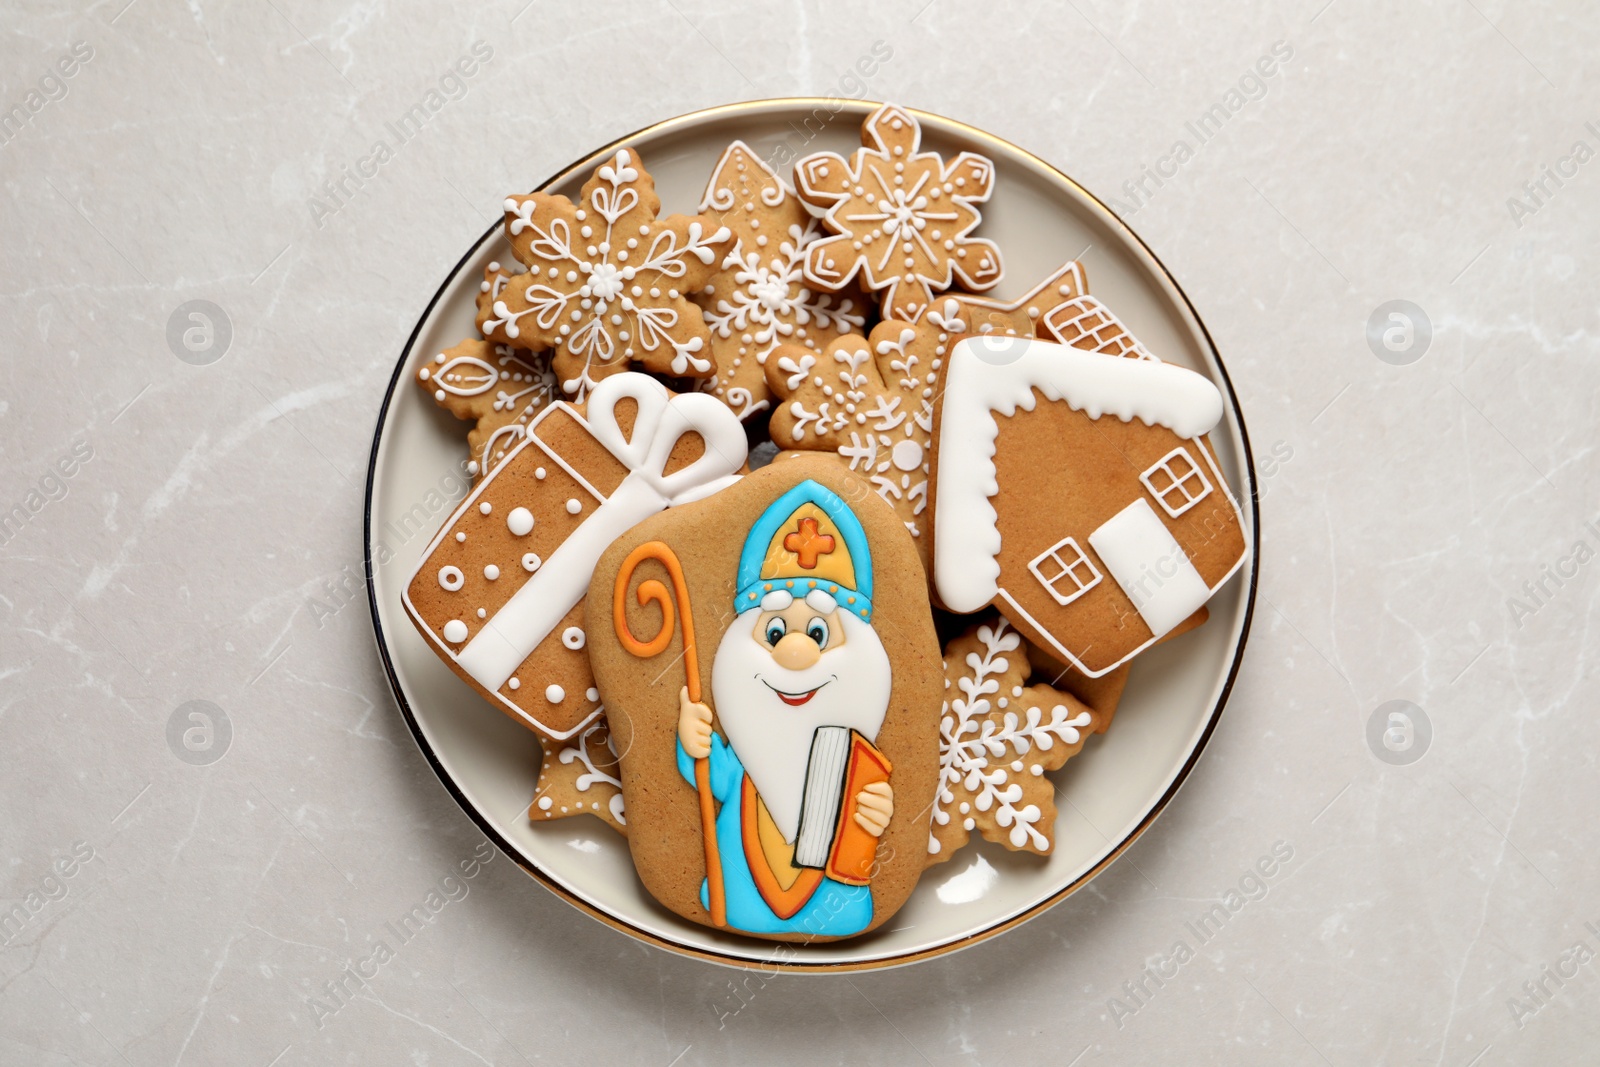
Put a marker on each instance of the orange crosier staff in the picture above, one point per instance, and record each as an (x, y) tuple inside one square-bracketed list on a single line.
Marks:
[(651, 589)]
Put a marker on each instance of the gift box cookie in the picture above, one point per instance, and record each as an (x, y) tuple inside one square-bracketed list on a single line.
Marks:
[(499, 591)]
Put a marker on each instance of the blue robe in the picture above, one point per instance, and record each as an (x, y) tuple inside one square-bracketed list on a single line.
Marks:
[(834, 910)]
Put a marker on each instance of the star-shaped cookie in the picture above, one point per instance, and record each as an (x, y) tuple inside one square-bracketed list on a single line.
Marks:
[(498, 388), (759, 298)]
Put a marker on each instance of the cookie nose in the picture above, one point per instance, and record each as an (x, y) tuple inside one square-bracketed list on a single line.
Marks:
[(796, 651)]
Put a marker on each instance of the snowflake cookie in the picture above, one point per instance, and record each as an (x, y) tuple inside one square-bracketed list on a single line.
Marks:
[(608, 282), (499, 388), (759, 299), (997, 739), (579, 776), (900, 218), (870, 401)]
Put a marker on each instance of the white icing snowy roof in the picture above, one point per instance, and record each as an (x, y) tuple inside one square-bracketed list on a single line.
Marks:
[(989, 375)]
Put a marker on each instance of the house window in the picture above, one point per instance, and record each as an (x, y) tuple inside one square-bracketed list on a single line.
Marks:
[(1065, 571), (1176, 482)]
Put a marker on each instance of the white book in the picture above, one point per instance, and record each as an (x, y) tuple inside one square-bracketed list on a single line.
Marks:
[(819, 807)]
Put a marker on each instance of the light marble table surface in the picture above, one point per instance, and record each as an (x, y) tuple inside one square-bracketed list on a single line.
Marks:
[(1427, 527)]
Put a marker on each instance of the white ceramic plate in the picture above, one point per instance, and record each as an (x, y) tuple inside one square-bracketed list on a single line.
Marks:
[(1107, 796)]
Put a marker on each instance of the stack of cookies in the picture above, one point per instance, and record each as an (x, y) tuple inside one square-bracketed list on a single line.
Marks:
[(804, 560)]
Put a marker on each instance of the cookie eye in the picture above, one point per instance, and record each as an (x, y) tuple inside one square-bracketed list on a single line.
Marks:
[(817, 630), (775, 631)]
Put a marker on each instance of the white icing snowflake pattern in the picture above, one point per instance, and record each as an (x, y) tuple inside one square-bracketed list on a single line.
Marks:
[(607, 283), (585, 765), (870, 400), (759, 298), (901, 218), (996, 741)]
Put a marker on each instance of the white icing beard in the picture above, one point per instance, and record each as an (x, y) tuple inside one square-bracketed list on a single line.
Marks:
[(773, 739)]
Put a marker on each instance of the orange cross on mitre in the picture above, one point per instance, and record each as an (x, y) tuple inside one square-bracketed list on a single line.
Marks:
[(808, 544)]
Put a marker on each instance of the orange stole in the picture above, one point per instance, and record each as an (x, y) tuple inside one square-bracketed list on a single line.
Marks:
[(783, 902), (851, 857)]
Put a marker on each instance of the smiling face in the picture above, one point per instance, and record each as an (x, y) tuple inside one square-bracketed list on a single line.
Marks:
[(781, 672)]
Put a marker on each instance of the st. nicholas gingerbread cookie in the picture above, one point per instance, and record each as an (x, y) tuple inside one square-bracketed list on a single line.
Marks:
[(771, 674)]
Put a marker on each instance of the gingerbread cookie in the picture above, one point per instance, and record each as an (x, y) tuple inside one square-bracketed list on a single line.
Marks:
[(498, 594), (1101, 695), (578, 776), (962, 314), (1083, 322), (758, 299), (868, 400), (771, 674), (495, 279), (1056, 469), (608, 282), (498, 388), (998, 737), (901, 218)]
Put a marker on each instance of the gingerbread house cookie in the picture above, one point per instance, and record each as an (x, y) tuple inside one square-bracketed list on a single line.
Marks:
[(1075, 492)]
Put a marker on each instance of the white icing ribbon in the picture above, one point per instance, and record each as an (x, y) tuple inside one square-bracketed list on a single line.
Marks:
[(524, 621)]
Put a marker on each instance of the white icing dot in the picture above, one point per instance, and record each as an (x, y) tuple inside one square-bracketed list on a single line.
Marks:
[(482, 614), (1036, 770), (591, 694), (520, 522), (906, 455), (455, 631), (545, 803), (491, 572), (485, 507), (461, 535), (539, 473), (555, 694), (530, 561), (451, 578), (515, 683), (573, 507), (572, 637), (968, 824)]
